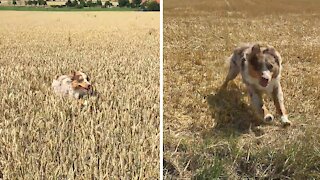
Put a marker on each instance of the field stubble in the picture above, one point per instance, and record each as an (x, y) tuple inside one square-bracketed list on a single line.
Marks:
[(45, 136), (209, 134)]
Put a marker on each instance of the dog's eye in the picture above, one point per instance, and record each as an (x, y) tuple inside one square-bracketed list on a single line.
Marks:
[(269, 66)]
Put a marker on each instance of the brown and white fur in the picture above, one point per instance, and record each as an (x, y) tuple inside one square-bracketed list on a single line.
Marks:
[(75, 85), (260, 68)]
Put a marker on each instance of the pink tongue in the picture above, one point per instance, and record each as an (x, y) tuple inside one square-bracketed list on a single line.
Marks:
[(83, 88), (263, 82)]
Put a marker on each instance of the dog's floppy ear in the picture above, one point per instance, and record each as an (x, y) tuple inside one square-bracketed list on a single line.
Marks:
[(255, 49), (72, 74), (272, 51), (253, 55)]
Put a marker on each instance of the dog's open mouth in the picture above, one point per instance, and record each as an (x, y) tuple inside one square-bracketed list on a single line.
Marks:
[(264, 82), (84, 88)]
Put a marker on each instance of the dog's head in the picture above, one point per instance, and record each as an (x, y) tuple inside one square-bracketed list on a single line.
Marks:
[(80, 81), (264, 64)]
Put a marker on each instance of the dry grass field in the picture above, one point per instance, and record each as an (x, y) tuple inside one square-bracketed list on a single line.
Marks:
[(43, 136), (211, 135)]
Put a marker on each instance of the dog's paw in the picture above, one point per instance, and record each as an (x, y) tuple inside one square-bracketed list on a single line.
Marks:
[(285, 121), (268, 118)]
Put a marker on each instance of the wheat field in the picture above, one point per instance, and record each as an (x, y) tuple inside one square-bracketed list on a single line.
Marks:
[(115, 136), (211, 135)]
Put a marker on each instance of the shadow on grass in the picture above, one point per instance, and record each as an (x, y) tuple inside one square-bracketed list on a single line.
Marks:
[(233, 117), (231, 113)]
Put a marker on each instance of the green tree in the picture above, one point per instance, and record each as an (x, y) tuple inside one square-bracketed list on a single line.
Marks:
[(82, 3), (153, 6), (123, 3), (136, 3), (99, 3), (74, 3), (41, 2), (89, 3), (14, 2), (108, 4), (69, 3)]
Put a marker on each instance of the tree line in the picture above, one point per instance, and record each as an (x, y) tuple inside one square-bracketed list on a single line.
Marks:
[(150, 5)]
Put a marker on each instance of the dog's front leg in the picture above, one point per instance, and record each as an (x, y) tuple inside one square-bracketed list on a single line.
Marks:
[(257, 104), (277, 95), (234, 70)]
